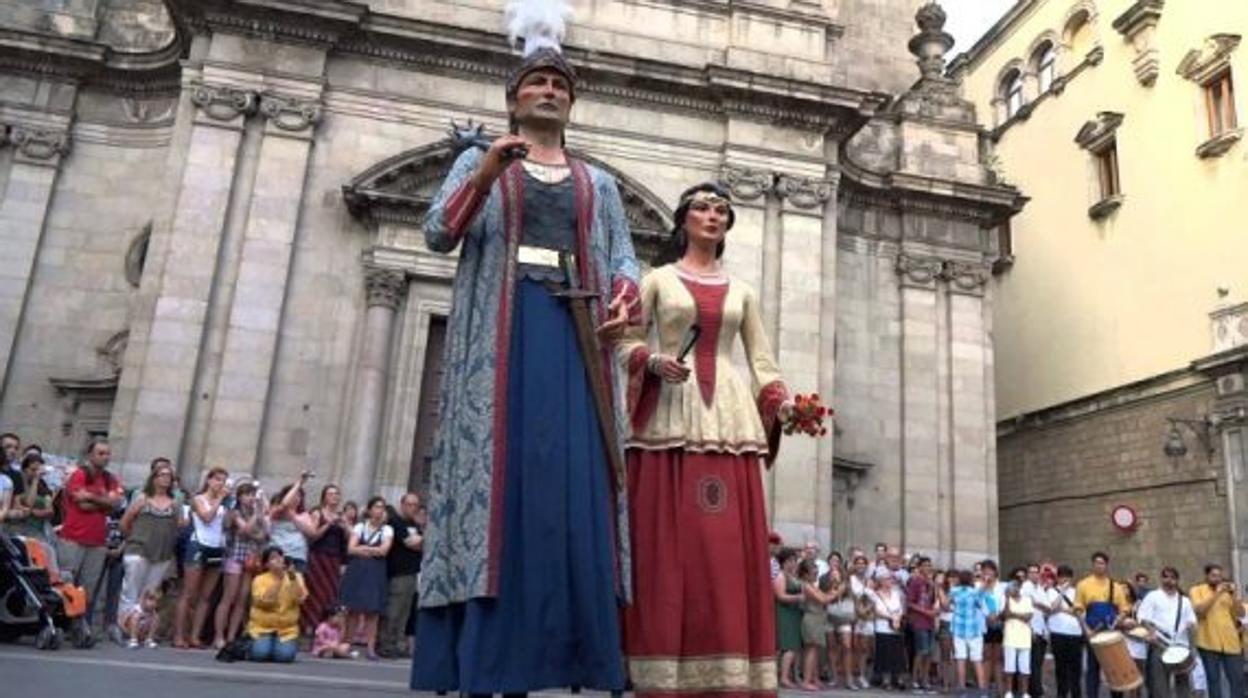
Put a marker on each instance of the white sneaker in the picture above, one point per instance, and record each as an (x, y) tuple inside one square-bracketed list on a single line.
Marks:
[(1009, 694), (132, 644), (152, 644)]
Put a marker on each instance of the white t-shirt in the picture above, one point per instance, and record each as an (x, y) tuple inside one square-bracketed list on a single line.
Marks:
[(1039, 595), (1161, 609), (822, 566), (1064, 623), (364, 533), (210, 534), (887, 605), (1017, 632)]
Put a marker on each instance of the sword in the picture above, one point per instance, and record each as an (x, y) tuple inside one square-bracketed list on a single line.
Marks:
[(578, 300)]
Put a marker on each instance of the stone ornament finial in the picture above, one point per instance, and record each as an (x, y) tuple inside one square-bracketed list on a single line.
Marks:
[(384, 287), (39, 144), (932, 42), (222, 103), (746, 184), (290, 113)]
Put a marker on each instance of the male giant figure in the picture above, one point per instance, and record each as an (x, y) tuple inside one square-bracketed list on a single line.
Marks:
[(526, 555)]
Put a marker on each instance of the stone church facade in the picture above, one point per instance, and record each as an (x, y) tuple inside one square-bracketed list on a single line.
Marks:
[(211, 212)]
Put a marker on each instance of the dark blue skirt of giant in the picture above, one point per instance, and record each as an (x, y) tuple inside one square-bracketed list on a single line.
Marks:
[(555, 620)]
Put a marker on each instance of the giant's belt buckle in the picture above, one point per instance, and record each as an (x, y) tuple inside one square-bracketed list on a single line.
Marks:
[(537, 256)]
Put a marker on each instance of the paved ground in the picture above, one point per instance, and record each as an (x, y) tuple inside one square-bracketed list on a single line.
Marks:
[(109, 670)]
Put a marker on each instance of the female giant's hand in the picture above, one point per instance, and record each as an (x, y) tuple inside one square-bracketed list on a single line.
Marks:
[(668, 368)]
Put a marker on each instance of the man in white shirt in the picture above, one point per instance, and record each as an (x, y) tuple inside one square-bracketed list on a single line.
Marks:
[(1066, 635), (1171, 617), (1039, 590)]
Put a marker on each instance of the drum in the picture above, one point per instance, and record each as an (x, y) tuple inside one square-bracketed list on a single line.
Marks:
[(1178, 660), (1139, 632), (1121, 673)]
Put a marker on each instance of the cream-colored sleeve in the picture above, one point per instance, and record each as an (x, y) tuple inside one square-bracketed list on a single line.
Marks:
[(763, 369)]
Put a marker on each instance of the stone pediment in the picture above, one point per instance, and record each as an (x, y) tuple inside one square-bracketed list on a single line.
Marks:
[(400, 190)]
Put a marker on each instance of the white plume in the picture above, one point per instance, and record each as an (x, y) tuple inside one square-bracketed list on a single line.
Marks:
[(541, 23)]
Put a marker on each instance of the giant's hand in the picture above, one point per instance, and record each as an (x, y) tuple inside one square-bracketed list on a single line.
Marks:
[(610, 331), (500, 153)]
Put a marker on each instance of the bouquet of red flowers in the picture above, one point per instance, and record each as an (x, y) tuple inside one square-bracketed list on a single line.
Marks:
[(807, 416)]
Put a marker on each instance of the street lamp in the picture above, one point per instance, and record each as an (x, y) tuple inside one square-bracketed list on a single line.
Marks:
[(1175, 447)]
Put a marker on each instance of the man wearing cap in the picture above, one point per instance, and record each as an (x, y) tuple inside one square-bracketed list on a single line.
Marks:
[(525, 555)]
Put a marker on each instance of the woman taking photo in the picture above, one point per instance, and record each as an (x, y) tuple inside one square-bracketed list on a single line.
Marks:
[(151, 525), (248, 530), (699, 434), (364, 585), (205, 554), (274, 620), (327, 550), (290, 525)]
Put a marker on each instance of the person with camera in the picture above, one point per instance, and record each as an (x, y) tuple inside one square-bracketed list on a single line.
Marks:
[(1218, 614), (276, 595), (290, 525), (202, 562)]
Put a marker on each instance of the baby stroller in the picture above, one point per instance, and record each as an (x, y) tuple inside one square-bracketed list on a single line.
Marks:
[(34, 601)]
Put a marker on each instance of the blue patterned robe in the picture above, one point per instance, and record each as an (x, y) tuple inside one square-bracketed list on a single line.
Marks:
[(462, 547)]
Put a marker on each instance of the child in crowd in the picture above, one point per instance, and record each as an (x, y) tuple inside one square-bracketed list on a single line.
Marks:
[(329, 641), (1017, 640), (142, 623)]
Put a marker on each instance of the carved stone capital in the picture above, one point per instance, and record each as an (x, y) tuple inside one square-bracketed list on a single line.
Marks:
[(746, 184), (384, 287), (39, 144), (919, 271), (804, 192), (222, 103), (966, 277), (290, 113)]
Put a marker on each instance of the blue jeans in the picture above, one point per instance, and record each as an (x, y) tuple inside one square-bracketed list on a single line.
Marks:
[(1217, 663), (267, 648)]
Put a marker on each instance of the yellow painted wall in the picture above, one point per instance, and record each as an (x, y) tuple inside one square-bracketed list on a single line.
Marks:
[(1092, 305)]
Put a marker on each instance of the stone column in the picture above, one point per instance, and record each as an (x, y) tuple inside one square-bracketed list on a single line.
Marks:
[(828, 239), (919, 275), (23, 213), (163, 385), (256, 310), (803, 484), (974, 499), (384, 288)]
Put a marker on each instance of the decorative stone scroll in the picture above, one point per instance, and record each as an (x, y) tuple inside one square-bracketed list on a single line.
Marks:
[(222, 103), (290, 113), (384, 287), (39, 144), (1138, 25), (920, 271), (966, 277), (745, 184), (1200, 65), (804, 192)]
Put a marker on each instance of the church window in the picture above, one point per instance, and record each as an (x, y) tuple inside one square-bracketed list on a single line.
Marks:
[(1045, 66), (1220, 104)]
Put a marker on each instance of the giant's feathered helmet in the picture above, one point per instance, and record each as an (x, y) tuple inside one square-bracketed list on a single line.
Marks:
[(541, 25)]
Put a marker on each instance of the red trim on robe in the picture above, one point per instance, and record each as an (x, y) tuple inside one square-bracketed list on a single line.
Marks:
[(769, 400), (644, 389), (461, 208), (511, 185), (709, 300)]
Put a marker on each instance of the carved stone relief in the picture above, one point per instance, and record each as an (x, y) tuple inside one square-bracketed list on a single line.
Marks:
[(222, 103)]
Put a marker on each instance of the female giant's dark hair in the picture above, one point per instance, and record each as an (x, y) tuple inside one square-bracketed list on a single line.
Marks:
[(677, 242)]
